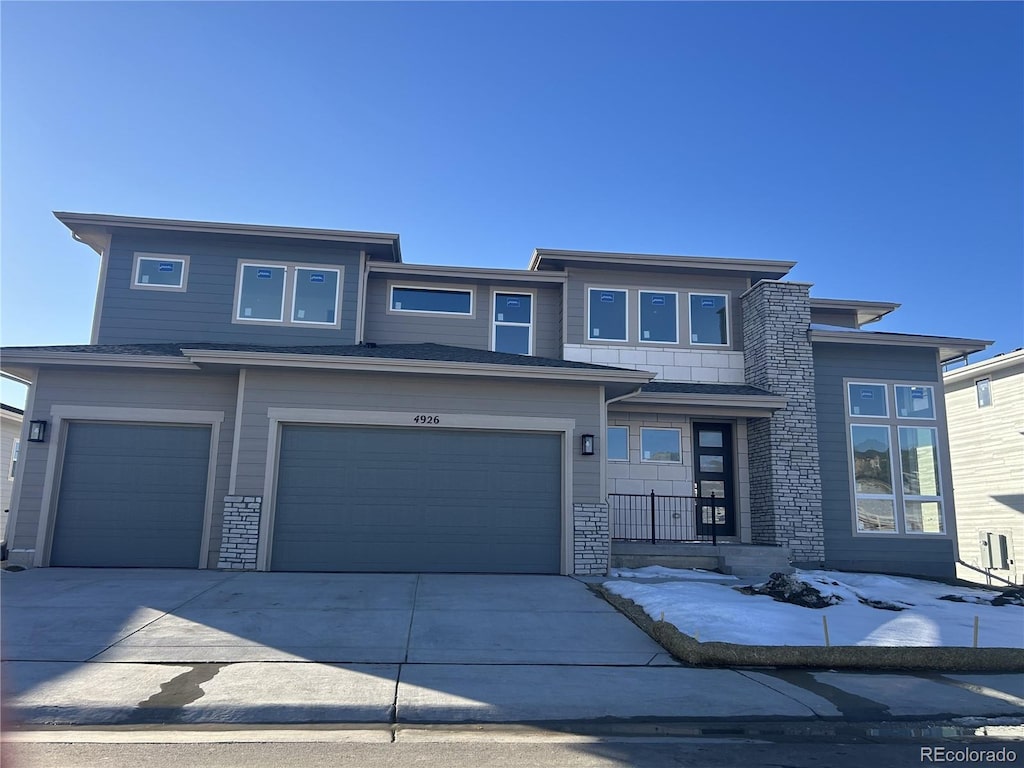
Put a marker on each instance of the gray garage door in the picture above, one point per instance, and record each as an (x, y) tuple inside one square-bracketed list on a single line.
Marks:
[(391, 499), (131, 495)]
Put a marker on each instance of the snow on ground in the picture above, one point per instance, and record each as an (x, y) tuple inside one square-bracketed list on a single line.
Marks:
[(661, 572), (717, 612)]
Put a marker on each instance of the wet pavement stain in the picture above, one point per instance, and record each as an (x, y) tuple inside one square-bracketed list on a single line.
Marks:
[(167, 706), (851, 706)]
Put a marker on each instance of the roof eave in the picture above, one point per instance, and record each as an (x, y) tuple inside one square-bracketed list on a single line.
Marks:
[(949, 348), (14, 359), (778, 269), (985, 367)]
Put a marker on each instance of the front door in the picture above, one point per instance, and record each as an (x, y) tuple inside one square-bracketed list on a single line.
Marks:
[(713, 475)]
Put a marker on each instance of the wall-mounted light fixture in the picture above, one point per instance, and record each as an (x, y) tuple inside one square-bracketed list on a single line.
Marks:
[(37, 431), (588, 445)]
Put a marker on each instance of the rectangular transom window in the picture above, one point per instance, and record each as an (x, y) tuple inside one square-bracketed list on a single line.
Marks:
[(513, 323), (161, 273), (915, 402), (659, 321), (868, 400), (606, 315), (983, 388), (261, 296), (617, 448), (443, 301), (709, 319), (660, 445), (315, 296)]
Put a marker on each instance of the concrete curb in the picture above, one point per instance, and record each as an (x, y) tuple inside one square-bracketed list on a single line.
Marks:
[(715, 654)]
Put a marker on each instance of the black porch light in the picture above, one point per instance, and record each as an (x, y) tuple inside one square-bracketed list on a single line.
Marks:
[(37, 431), (588, 445)]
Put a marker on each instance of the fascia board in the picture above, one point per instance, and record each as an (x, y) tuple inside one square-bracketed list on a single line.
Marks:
[(759, 402), (96, 359), (949, 347), (654, 260), (983, 367), (393, 365)]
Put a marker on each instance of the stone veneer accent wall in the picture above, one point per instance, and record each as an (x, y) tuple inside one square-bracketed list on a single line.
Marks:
[(241, 532), (592, 539), (785, 481)]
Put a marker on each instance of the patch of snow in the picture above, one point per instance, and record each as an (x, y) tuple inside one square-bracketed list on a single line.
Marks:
[(661, 572), (716, 612)]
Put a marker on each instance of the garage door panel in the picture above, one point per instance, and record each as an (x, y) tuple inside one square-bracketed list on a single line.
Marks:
[(378, 499), (131, 495)]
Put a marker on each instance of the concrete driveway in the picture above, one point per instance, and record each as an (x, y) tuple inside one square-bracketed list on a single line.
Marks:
[(100, 647)]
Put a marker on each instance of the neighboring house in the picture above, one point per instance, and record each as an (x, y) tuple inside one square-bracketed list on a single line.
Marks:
[(10, 442), (985, 407), (279, 398)]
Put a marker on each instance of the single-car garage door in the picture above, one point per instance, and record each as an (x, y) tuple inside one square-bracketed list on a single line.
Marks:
[(131, 495), (394, 499)]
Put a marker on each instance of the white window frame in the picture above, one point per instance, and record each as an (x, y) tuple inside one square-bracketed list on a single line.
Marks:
[(679, 440), (728, 318), (885, 401), (874, 496), (295, 290), (15, 450), (141, 256), (640, 316), (431, 287), (977, 392), (893, 422), (288, 290), (625, 316), (896, 402), (495, 322), (608, 456)]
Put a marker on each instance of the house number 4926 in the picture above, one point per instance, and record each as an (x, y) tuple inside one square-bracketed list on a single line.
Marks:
[(423, 419)]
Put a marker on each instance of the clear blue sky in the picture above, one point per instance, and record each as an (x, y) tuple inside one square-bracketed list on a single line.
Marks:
[(879, 145)]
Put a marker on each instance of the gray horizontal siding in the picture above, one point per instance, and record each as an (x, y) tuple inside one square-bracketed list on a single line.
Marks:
[(124, 389), (418, 394), (204, 312), (581, 278), (384, 327), (920, 555)]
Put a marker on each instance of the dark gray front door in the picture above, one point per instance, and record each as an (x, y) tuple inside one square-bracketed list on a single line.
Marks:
[(131, 495), (712, 459), (396, 499)]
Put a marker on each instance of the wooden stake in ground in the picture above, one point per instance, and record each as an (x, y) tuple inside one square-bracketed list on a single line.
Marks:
[(824, 624)]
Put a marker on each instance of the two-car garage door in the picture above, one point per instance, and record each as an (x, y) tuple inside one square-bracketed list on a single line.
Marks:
[(399, 499)]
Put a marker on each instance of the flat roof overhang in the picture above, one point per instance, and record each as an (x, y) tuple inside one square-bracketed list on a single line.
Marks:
[(948, 347), (755, 269)]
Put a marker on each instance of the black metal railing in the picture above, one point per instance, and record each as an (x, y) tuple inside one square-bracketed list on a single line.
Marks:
[(654, 518)]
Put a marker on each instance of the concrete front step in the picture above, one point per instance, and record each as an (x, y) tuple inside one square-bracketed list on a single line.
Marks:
[(747, 561)]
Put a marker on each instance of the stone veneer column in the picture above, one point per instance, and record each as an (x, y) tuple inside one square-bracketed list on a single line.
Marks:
[(592, 539), (240, 532), (785, 480)]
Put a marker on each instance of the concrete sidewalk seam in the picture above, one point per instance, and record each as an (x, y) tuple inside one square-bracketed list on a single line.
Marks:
[(783, 693)]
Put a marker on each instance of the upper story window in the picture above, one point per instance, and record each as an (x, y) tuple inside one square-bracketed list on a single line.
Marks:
[(617, 444), (15, 450), (154, 271), (443, 301), (983, 389), (513, 323), (709, 319), (896, 469), (606, 314), (288, 293), (659, 321)]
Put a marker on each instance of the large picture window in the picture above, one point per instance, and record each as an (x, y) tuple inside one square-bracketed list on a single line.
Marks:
[(606, 315), (659, 321), (660, 446), (315, 298), (290, 294), (897, 484), (261, 296), (709, 319)]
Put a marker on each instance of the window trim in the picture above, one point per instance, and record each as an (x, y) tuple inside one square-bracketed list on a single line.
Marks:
[(291, 269), (608, 455), (889, 412), (495, 322), (874, 496), (640, 316), (896, 402), (728, 318), (893, 422), (679, 436), (625, 318), (471, 290), (977, 393), (295, 290), (140, 256)]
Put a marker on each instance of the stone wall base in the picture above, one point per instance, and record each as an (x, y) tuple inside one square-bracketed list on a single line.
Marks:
[(592, 539), (240, 533)]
